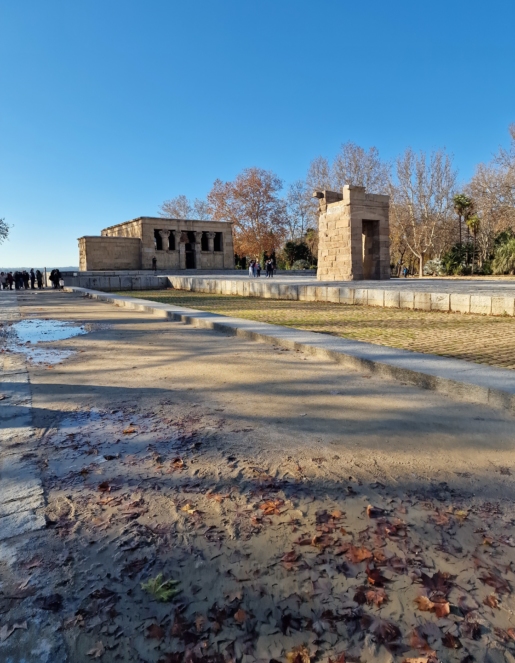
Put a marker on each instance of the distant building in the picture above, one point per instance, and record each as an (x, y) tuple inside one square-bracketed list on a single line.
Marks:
[(174, 243)]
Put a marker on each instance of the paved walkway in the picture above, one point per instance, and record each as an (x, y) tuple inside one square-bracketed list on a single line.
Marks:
[(21, 493), (458, 379)]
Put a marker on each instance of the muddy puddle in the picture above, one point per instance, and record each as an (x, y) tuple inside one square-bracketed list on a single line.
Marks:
[(30, 337)]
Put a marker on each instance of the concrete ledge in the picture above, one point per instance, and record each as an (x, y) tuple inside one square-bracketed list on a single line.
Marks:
[(455, 378)]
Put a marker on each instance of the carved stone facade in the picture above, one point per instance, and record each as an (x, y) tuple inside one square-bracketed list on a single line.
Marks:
[(353, 231), (174, 243)]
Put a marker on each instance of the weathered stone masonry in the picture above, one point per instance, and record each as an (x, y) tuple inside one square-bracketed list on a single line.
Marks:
[(353, 233), (175, 243)]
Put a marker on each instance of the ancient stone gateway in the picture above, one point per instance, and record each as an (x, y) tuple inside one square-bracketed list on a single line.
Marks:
[(174, 243), (353, 231)]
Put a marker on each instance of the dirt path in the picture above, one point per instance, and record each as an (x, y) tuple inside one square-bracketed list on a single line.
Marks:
[(475, 338), (243, 474)]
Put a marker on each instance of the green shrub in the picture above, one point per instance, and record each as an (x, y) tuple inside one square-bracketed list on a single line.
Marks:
[(504, 258)]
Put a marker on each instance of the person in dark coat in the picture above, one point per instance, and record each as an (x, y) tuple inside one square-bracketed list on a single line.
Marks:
[(39, 279), (32, 279)]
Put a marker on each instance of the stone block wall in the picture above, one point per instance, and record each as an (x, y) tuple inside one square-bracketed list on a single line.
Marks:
[(353, 233), (106, 253), (177, 233)]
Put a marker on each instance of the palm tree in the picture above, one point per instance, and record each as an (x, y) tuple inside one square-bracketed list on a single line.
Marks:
[(462, 207), (473, 224), (504, 260)]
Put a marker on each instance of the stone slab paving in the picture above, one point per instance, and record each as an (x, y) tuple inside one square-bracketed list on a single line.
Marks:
[(21, 492), (22, 505), (458, 379)]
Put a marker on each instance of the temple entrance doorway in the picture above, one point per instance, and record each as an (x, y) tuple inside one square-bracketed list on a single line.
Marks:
[(371, 256), (191, 262)]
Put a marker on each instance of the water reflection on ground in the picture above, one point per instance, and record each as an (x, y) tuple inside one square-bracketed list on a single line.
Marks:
[(26, 337)]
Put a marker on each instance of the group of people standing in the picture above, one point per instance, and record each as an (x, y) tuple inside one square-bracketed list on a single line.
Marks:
[(255, 268), (24, 280), (56, 279), (21, 280)]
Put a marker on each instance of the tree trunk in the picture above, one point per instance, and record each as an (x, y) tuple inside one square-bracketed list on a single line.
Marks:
[(421, 266)]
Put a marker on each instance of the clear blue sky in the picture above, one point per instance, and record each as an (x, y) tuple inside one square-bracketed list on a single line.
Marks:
[(108, 107)]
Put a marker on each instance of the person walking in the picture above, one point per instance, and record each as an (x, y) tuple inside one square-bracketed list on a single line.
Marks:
[(258, 268), (32, 278), (405, 272), (154, 264), (39, 279), (10, 280), (251, 268)]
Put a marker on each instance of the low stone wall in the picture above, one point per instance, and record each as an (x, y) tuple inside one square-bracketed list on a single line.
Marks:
[(390, 298), (117, 283)]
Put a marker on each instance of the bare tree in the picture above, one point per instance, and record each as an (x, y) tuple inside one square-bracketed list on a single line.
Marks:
[(299, 205), (319, 175), (422, 202), (181, 207), (176, 208), (359, 167), (493, 190), (4, 230), (252, 202), (201, 209)]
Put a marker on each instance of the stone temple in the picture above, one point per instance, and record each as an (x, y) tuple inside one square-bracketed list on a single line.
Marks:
[(353, 235), (174, 243)]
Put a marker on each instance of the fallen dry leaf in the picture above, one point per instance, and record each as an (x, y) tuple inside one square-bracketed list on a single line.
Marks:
[(155, 631), (6, 631), (376, 596), (357, 555), (495, 580), (272, 507), (240, 616), (439, 583), (375, 577), (341, 658), (298, 654), (440, 608), (491, 601), (451, 641), (189, 509), (129, 431), (97, 651), (375, 511)]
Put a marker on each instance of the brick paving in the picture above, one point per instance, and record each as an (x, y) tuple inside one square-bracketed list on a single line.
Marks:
[(481, 339)]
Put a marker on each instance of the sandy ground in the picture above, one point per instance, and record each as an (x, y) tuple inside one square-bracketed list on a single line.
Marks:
[(244, 475)]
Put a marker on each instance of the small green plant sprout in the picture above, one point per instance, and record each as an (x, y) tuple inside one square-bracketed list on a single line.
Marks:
[(162, 590)]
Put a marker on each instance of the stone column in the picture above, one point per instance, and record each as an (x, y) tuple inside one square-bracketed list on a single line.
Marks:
[(211, 241), (198, 248), (165, 235), (183, 239)]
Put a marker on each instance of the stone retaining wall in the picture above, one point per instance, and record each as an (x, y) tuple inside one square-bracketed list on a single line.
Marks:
[(117, 283), (410, 299)]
